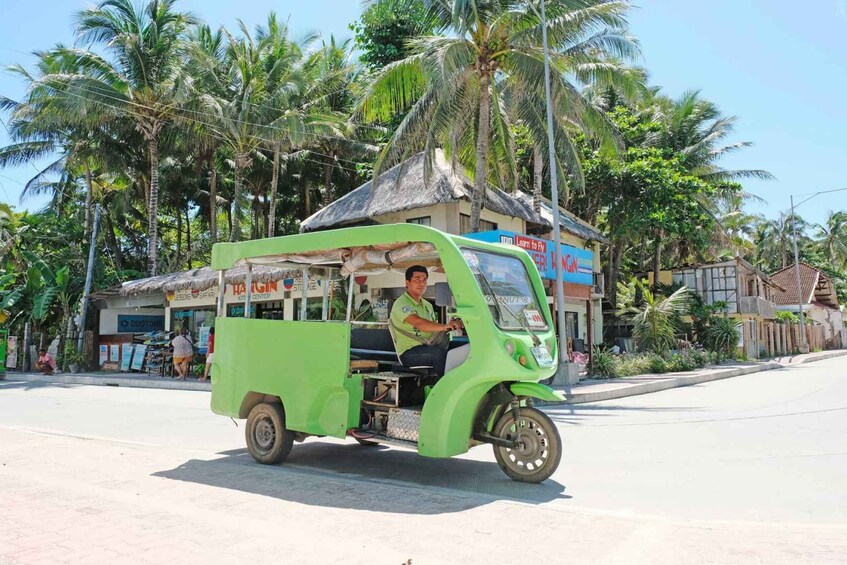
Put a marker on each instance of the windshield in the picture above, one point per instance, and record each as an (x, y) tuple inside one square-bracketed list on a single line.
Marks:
[(507, 289)]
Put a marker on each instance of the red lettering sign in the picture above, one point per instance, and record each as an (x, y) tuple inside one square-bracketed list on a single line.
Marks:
[(569, 263), (256, 287), (540, 260), (531, 244)]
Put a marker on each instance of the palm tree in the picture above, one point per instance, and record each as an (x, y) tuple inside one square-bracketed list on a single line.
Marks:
[(695, 128), (775, 241), (287, 88), (454, 88), (832, 239), (141, 81), (333, 98), (42, 127), (655, 316), (206, 55), (240, 117)]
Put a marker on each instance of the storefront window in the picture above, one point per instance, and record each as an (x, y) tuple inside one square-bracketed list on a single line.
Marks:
[(192, 319), (258, 310), (314, 307)]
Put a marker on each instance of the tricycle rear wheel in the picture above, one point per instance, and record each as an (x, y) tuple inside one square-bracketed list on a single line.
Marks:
[(267, 439), (540, 447)]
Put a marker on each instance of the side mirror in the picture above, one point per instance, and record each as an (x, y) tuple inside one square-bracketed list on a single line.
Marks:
[(443, 296)]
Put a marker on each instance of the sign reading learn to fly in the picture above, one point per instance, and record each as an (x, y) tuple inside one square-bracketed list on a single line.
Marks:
[(577, 264)]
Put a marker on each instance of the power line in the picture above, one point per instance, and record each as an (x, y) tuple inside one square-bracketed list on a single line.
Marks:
[(134, 103), (213, 125)]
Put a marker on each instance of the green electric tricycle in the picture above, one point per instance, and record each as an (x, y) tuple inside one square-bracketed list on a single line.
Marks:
[(292, 379)]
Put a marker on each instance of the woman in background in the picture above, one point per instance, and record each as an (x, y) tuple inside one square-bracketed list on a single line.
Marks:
[(210, 353)]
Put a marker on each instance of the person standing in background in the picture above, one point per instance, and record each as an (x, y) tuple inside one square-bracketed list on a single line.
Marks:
[(210, 353), (183, 352)]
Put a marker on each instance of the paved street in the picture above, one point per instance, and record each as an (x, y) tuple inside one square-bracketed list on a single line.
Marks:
[(748, 469)]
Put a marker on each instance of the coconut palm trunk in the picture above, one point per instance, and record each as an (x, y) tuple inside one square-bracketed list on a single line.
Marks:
[(307, 199), (482, 143), (89, 196), (213, 204), (153, 208), (188, 233), (274, 188), (657, 259), (538, 175), (112, 241), (328, 196), (241, 162), (178, 261)]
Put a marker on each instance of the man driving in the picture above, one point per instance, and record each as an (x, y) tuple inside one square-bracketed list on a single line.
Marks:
[(420, 340)]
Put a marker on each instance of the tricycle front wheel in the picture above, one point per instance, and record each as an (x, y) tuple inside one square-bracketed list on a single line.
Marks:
[(539, 447)]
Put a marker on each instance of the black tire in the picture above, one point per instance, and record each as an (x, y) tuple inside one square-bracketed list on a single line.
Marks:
[(541, 450), (267, 439)]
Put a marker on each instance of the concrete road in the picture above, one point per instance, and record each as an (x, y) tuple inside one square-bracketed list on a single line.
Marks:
[(750, 469)]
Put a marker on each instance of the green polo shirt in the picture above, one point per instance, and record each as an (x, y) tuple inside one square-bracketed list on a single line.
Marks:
[(404, 307)]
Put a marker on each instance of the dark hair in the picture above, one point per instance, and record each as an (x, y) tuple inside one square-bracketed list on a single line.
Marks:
[(416, 269), (212, 330), (42, 350)]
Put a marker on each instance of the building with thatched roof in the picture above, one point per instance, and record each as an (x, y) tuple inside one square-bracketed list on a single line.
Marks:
[(188, 299), (432, 194), (442, 197), (437, 195)]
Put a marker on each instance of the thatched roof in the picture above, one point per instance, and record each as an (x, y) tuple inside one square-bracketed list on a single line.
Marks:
[(567, 222), (203, 278), (411, 192)]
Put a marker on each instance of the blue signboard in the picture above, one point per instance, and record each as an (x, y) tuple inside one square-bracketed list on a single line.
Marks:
[(577, 264), (138, 357), (131, 323), (126, 356)]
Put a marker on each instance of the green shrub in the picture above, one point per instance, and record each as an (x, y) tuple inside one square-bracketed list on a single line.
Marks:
[(681, 362), (604, 362), (631, 365), (783, 317), (657, 364), (722, 336)]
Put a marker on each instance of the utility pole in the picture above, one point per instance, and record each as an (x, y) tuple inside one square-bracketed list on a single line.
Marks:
[(804, 348), (562, 370)]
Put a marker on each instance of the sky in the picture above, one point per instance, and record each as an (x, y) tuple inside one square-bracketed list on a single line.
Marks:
[(779, 69)]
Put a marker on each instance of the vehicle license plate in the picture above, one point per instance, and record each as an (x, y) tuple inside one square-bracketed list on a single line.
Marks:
[(542, 356)]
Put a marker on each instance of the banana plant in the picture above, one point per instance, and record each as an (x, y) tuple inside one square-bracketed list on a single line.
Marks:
[(49, 289), (9, 297)]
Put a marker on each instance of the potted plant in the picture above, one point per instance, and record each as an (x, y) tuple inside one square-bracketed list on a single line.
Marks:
[(74, 358)]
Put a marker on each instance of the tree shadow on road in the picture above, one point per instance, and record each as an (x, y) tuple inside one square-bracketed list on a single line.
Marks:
[(33, 385), (367, 478)]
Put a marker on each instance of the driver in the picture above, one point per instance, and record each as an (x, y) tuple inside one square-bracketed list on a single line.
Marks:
[(420, 340)]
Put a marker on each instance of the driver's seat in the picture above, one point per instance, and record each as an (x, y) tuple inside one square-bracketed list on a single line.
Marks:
[(399, 367)]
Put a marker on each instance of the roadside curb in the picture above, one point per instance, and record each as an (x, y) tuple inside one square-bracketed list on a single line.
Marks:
[(819, 357), (108, 380), (668, 381), (619, 388)]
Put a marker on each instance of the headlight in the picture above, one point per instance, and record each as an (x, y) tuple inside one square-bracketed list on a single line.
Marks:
[(510, 348)]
